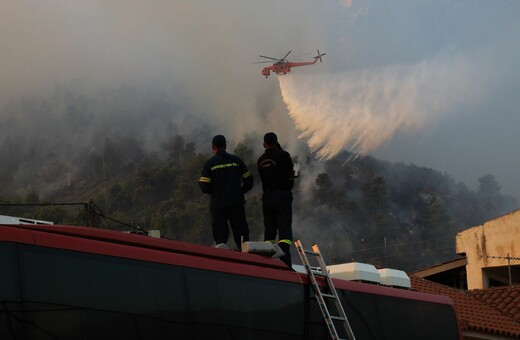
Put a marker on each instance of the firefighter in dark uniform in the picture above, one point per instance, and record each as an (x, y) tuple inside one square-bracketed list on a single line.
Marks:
[(276, 172), (226, 178)]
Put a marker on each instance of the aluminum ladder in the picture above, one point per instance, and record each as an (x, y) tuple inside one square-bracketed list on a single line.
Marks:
[(332, 321)]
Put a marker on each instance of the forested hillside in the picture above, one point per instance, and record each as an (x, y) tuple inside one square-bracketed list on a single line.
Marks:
[(355, 208)]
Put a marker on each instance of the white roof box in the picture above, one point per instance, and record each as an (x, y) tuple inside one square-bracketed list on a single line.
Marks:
[(299, 268), (355, 271), (4, 219), (394, 278), (262, 248)]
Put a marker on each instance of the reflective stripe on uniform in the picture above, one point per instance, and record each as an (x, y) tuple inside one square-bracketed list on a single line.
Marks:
[(269, 241), (246, 174), (289, 242), (205, 179), (222, 166)]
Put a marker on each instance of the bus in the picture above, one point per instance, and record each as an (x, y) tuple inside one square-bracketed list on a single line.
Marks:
[(70, 282)]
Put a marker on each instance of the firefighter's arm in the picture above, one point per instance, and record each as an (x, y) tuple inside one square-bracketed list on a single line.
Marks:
[(205, 180), (289, 169), (247, 179)]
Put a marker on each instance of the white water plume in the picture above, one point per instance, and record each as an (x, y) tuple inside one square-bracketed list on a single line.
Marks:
[(360, 111)]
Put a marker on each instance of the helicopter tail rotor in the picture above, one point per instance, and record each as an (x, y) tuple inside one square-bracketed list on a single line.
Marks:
[(320, 55)]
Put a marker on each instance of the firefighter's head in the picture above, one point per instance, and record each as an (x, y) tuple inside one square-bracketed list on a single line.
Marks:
[(271, 140), (218, 143)]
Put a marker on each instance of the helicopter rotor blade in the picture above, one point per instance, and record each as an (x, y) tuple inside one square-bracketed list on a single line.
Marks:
[(286, 55), (263, 56)]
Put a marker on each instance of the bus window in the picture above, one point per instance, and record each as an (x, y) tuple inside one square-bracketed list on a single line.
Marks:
[(316, 327), (385, 317), (9, 283), (75, 295), (9, 293), (227, 306)]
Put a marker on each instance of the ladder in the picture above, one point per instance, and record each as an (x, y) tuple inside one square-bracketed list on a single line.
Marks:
[(330, 320)]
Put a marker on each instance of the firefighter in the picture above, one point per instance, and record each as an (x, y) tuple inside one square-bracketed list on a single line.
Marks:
[(226, 178), (276, 172)]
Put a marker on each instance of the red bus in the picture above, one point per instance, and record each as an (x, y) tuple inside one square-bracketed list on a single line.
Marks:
[(65, 282)]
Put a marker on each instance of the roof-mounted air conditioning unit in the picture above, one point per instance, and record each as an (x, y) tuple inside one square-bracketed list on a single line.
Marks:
[(355, 271), (394, 278)]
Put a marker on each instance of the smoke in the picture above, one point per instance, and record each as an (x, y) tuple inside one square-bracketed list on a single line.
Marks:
[(362, 110), (190, 65), (199, 53)]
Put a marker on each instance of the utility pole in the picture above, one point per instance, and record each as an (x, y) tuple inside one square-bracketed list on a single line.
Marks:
[(385, 252), (509, 269), (508, 258)]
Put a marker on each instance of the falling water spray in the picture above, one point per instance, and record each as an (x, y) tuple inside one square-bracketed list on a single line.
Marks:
[(362, 110)]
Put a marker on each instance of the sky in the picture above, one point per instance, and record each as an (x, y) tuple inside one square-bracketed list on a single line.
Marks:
[(433, 83)]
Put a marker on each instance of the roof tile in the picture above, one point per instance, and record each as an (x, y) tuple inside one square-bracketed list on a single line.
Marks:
[(506, 299), (478, 310)]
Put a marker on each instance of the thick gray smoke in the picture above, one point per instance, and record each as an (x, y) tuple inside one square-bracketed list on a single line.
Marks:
[(198, 54), (396, 74)]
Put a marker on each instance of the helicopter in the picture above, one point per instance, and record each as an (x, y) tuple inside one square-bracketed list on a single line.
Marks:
[(283, 66)]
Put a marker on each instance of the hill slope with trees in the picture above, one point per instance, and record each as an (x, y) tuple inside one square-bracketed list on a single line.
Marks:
[(356, 208), (362, 209)]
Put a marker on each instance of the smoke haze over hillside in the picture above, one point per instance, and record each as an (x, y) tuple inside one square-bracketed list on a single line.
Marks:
[(433, 83)]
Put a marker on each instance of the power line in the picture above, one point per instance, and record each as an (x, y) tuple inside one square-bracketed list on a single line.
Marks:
[(508, 258), (39, 204), (404, 254), (90, 207), (405, 243), (502, 257)]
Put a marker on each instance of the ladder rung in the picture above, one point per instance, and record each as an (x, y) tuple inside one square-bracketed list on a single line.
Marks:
[(330, 296), (333, 317), (311, 252), (320, 273)]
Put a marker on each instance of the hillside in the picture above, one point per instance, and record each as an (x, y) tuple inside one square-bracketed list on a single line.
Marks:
[(357, 208)]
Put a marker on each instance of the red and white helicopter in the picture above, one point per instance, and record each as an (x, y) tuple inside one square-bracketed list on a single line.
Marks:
[(283, 66)]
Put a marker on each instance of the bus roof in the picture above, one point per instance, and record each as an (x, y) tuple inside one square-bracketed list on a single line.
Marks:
[(141, 247), (40, 235)]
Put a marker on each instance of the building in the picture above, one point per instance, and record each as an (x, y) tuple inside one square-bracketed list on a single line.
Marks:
[(489, 256), (492, 252), (484, 281)]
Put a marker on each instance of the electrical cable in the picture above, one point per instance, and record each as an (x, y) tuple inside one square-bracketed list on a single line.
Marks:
[(89, 206), (404, 254)]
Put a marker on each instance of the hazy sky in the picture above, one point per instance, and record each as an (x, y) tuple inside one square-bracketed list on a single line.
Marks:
[(434, 83)]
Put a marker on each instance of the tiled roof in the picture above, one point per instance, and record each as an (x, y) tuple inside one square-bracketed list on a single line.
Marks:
[(477, 314), (505, 299)]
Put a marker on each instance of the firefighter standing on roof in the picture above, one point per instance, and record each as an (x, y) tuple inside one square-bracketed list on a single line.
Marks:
[(276, 172), (226, 178)]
